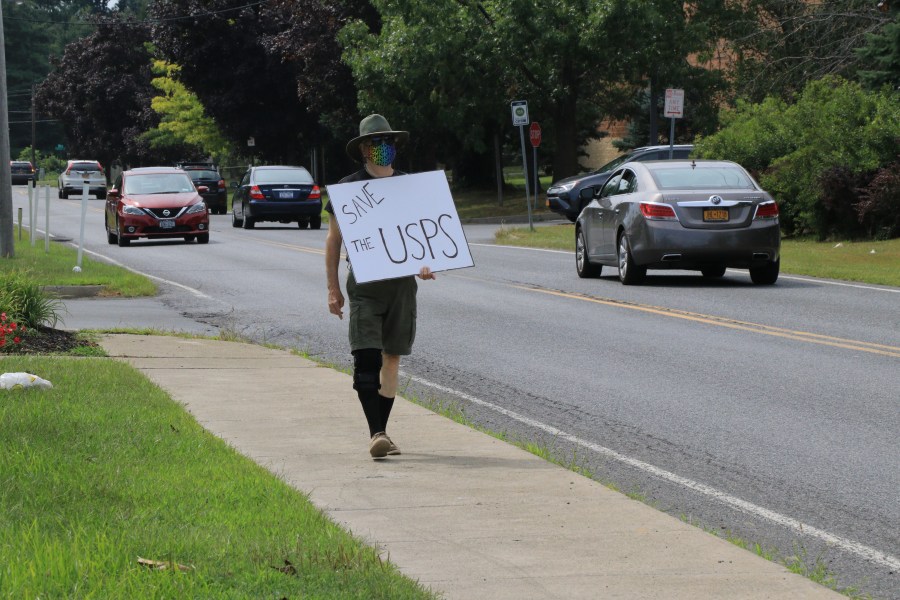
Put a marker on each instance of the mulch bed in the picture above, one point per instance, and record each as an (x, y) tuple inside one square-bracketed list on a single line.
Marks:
[(46, 340)]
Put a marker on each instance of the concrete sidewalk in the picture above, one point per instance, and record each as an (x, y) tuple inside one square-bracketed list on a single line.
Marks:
[(461, 512)]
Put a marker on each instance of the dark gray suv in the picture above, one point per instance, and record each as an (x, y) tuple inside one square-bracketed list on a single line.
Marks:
[(563, 197)]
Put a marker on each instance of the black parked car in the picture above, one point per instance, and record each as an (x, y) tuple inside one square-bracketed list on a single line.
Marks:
[(564, 196), (208, 175), (277, 193)]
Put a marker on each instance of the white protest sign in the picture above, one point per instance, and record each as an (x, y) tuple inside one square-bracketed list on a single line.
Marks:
[(394, 226)]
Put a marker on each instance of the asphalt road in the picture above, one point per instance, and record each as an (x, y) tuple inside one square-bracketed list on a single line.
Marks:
[(766, 413)]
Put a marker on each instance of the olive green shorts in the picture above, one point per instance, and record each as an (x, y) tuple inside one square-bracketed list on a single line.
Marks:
[(383, 314)]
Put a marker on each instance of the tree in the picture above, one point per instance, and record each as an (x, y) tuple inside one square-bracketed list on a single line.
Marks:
[(183, 120), (105, 107), (783, 44), (880, 56)]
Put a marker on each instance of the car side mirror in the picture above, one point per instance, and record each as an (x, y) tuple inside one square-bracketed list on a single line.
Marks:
[(586, 193)]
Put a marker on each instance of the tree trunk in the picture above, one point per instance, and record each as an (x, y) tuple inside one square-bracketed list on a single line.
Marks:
[(565, 162)]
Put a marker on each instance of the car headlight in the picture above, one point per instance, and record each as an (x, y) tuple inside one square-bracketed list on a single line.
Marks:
[(132, 210), (196, 208), (561, 189)]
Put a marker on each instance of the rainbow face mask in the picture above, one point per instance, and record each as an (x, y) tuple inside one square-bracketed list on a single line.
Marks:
[(382, 152)]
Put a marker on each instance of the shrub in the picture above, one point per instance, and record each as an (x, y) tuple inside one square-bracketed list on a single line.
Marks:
[(813, 155), (878, 209), (25, 302)]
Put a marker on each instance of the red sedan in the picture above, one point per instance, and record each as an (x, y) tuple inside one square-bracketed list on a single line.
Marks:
[(155, 203)]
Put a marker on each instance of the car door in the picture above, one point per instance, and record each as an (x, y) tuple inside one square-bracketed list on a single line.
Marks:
[(593, 216), (606, 205), (618, 208)]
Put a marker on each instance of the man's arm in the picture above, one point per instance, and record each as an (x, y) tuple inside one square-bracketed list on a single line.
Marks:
[(332, 261)]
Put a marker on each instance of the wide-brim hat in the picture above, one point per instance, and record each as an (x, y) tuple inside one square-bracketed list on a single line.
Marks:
[(371, 126)]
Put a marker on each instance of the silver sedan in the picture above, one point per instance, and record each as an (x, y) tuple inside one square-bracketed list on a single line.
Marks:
[(701, 215)]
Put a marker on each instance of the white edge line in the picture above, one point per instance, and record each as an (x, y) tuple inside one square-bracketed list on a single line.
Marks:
[(861, 550), (782, 276), (193, 291)]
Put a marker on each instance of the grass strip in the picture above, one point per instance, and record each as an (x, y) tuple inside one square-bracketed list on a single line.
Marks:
[(54, 267), (105, 468), (876, 262)]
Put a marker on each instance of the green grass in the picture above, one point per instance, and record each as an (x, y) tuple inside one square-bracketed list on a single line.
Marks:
[(55, 268), (105, 468), (876, 262)]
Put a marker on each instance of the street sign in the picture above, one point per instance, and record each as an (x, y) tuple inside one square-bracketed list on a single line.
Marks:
[(534, 132), (519, 112), (674, 103), (251, 142)]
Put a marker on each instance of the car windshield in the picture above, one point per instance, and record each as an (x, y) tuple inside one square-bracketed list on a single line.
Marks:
[(196, 174), (84, 166), (613, 164), (282, 176), (159, 183), (685, 177)]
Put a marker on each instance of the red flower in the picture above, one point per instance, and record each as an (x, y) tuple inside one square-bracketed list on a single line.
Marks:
[(17, 340)]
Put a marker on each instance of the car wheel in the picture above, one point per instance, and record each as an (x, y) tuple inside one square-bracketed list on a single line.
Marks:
[(629, 273), (63, 193), (60, 194), (302, 223), (248, 223), (189, 238), (315, 222), (123, 241), (713, 272), (203, 238), (582, 265), (766, 275), (111, 238), (235, 222)]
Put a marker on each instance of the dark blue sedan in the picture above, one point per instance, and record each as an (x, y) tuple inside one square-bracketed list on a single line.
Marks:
[(280, 194)]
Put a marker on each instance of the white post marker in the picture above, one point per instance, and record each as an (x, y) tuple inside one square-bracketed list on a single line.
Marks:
[(520, 118), (394, 226), (84, 195), (674, 110), (32, 211), (47, 219)]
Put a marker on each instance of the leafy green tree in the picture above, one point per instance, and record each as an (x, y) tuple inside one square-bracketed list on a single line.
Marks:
[(183, 120)]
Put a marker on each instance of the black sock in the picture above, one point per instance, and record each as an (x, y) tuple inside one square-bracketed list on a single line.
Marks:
[(384, 410), (371, 406)]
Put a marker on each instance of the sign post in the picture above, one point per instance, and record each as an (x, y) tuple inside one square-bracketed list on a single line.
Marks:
[(674, 110), (520, 119), (534, 134)]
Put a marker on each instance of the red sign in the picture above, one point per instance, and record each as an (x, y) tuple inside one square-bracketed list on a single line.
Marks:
[(534, 132)]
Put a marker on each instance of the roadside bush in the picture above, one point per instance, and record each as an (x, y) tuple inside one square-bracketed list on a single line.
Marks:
[(26, 303), (878, 209), (814, 155)]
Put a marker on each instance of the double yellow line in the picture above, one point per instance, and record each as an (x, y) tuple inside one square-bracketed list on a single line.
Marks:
[(791, 334)]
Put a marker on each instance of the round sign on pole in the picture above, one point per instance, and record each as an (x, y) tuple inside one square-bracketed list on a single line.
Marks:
[(534, 133)]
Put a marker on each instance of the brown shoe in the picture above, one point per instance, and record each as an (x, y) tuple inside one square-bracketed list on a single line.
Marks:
[(379, 445), (393, 450)]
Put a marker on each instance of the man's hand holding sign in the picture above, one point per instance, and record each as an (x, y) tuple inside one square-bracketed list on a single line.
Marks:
[(398, 226)]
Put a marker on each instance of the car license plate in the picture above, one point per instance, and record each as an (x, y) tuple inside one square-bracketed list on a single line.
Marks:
[(715, 214), (285, 195), (167, 223)]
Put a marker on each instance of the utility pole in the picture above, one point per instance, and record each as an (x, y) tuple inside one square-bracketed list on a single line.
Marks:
[(7, 243)]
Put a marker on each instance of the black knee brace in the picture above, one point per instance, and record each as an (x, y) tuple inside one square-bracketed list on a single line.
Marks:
[(367, 370)]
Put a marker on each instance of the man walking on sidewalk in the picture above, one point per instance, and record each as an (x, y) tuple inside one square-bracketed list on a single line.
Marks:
[(382, 313)]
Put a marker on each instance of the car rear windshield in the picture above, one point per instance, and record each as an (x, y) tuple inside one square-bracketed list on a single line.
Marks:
[(282, 176), (20, 165), (159, 183), (84, 166), (198, 174), (685, 177)]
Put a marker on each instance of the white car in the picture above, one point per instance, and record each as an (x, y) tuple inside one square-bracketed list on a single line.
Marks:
[(79, 172)]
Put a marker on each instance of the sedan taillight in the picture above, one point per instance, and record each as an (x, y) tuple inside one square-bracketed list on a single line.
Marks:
[(315, 194), (221, 184), (256, 194), (766, 210), (658, 211)]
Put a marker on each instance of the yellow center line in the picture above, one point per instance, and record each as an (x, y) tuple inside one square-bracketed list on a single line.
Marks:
[(802, 336), (291, 246)]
